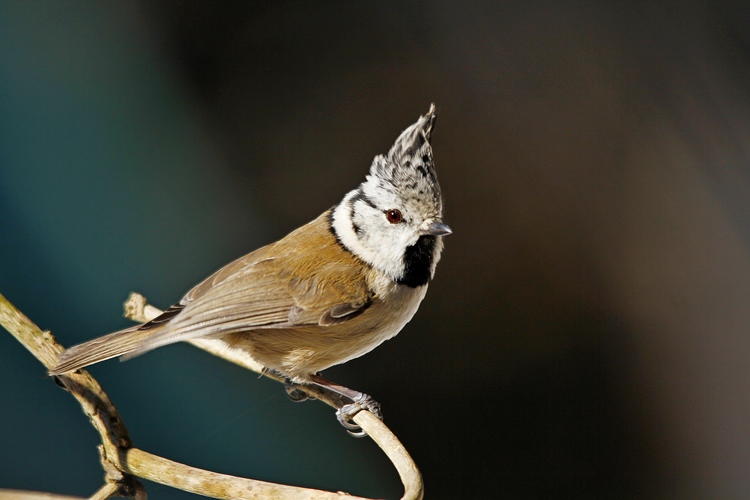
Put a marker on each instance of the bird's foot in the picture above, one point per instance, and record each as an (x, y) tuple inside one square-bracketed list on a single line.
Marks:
[(360, 402)]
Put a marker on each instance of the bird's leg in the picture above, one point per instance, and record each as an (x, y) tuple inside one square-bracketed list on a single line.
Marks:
[(360, 401)]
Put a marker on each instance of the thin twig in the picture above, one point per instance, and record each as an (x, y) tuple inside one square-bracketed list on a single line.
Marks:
[(92, 398), (121, 462), (107, 491), (33, 495), (222, 486)]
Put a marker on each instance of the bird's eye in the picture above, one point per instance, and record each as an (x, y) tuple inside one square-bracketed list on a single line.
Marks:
[(394, 216)]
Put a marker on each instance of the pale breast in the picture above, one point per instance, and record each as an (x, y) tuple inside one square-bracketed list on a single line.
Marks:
[(301, 351)]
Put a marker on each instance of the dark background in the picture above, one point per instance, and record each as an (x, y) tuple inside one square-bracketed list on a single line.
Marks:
[(586, 335)]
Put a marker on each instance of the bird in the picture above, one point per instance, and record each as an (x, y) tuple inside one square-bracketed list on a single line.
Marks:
[(328, 292)]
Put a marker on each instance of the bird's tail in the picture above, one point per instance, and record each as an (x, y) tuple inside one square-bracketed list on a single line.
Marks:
[(109, 346)]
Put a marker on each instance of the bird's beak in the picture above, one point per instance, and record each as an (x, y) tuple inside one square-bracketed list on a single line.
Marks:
[(437, 228)]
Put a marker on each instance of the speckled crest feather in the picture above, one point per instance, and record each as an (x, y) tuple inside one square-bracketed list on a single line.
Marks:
[(408, 171)]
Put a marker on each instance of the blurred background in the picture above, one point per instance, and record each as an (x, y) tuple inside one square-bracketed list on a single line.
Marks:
[(586, 334)]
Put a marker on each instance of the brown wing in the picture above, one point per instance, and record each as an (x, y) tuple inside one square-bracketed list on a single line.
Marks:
[(304, 279), (329, 297), (230, 272)]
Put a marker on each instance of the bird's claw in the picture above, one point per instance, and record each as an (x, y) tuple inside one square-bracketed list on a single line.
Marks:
[(347, 412), (294, 392)]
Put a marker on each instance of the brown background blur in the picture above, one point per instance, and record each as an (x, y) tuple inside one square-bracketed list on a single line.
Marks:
[(586, 335)]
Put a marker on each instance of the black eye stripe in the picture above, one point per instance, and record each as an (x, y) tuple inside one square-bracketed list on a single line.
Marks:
[(361, 196)]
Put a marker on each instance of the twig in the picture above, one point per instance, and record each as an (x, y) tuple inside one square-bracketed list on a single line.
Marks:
[(107, 491), (92, 398), (33, 495), (222, 486)]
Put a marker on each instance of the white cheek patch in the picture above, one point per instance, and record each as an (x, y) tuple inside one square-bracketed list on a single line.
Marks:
[(364, 236)]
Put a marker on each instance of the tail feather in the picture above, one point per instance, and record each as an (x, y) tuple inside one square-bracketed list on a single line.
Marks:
[(109, 346)]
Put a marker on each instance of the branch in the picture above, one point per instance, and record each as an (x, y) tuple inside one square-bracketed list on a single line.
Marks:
[(33, 495), (92, 398), (123, 463)]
